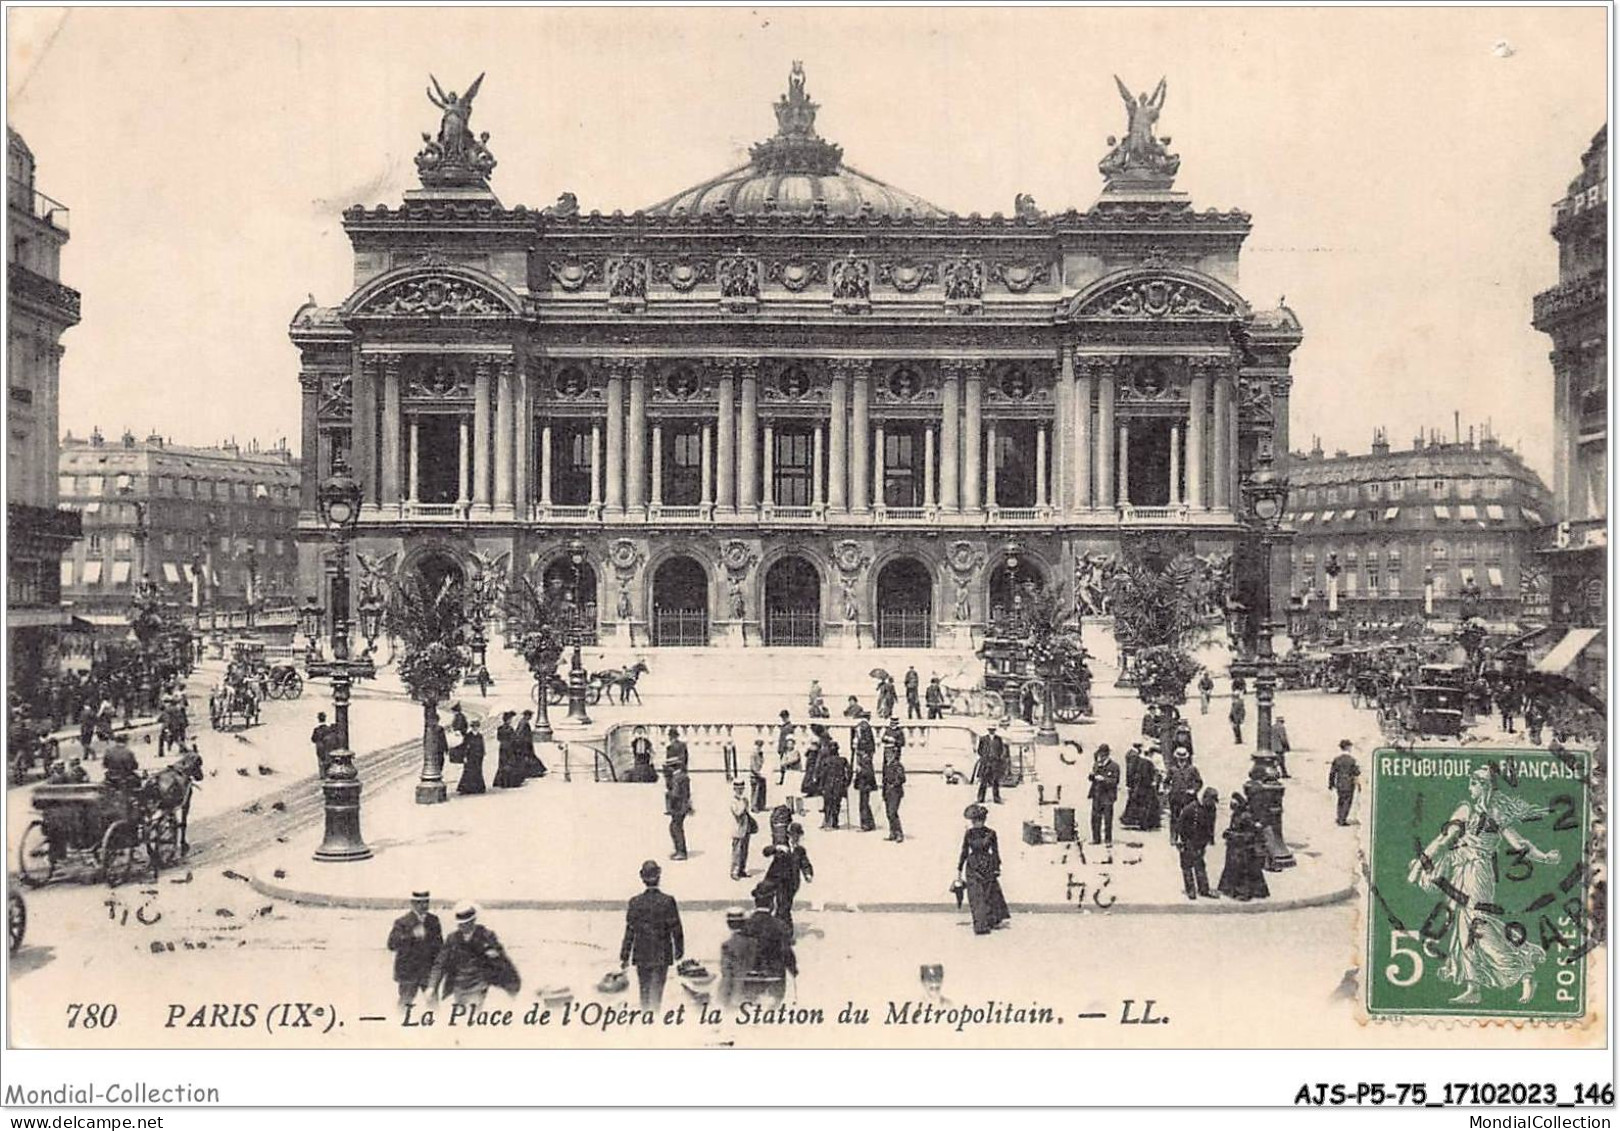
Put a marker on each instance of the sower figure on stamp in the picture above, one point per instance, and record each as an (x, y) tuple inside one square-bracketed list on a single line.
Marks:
[(1343, 777), (415, 938), (652, 937)]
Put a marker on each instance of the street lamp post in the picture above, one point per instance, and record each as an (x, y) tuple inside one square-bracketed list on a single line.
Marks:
[(577, 715), (1265, 495), (252, 583), (310, 619), (339, 501), (143, 593), (1428, 592)]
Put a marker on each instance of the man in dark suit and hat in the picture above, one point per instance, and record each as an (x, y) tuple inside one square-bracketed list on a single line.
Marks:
[(415, 939), (1195, 830), (470, 961), (834, 777), (992, 764), (863, 744), (774, 959), (1104, 791), (677, 804), (652, 937)]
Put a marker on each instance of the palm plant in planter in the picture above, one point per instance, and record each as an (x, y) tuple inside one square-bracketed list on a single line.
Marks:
[(1160, 615), (435, 652)]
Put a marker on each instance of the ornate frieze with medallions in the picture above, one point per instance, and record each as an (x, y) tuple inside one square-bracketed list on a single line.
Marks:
[(569, 381), (739, 277), (434, 296), (964, 279), (680, 382), (796, 275), (574, 274), (904, 382), (907, 275), (1153, 299), (682, 274), (1020, 275), (1017, 384), (438, 379), (792, 382), (627, 278)]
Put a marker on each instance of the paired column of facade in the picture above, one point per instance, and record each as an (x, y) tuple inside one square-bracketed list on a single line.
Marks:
[(1042, 498), (1083, 497), (362, 424), (522, 437), (481, 459), (930, 494), (1105, 496), (614, 493), (860, 475), (311, 465), (706, 474), (726, 473), (415, 462), (838, 440), (972, 435), (463, 463), (818, 475), (950, 444), (658, 465), (1221, 432), (748, 440), (1197, 421), (545, 464), (391, 431), (596, 463), (992, 496), (877, 466), (766, 495), (635, 495), (505, 410), (1124, 463)]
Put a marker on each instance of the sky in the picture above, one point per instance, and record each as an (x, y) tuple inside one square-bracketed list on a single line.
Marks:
[(1400, 166)]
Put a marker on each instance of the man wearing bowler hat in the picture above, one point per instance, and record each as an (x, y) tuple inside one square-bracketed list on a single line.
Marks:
[(415, 940), (652, 937), (470, 961), (992, 765), (677, 804)]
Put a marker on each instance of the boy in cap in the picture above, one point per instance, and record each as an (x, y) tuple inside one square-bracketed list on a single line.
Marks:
[(652, 936), (737, 955), (470, 961), (415, 939)]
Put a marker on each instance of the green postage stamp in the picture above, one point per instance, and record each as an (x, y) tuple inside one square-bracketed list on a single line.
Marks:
[(1477, 904)]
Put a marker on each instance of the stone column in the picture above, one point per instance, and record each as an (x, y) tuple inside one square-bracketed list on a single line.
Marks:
[(1124, 463), (1061, 495), (1197, 422), (463, 464), (545, 464), (415, 461), (860, 475), (1220, 474), (950, 443), (706, 475), (481, 436), (838, 440), (1234, 491), (972, 437), (1175, 465), (596, 463), (766, 494), (878, 467), (818, 474), (362, 426), (635, 495), (1105, 496), (992, 493), (1082, 441), (1040, 465), (614, 496), (309, 436), (658, 465), (523, 443), (748, 441), (503, 436), (726, 474), (930, 494), (391, 430)]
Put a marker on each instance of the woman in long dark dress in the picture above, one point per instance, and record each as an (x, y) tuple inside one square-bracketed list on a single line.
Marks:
[(472, 760), (979, 867), (1242, 876), (1142, 791), (508, 764)]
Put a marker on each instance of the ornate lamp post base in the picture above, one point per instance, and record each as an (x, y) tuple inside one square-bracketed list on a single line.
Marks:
[(341, 786), (430, 793)]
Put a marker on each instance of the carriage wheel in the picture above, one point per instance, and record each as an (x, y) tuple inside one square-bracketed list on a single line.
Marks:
[(34, 863), (555, 694), (1066, 704), (118, 852), (162, 843), (16, 921), (593, 694), (995, 706), (273, 689), (293, 686)]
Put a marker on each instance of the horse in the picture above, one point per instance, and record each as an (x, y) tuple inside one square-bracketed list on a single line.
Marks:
[(624, 680), (169, 791)]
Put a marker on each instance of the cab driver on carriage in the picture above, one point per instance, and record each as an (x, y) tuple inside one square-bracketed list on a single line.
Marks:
[(120, 767)]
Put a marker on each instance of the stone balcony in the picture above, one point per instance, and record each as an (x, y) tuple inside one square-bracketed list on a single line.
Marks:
[(1568, 299)]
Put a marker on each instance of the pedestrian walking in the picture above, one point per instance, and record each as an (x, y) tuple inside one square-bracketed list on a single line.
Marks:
[(789, 868), (743, 827), (1243, 874), (935, 697), (853, 709), (1195, 828), (1104, 791), (979, 871), (322, 739), (894, 791), (677, 804), (87, 728), (991, 766), (415, 939), (1344, 776), (641, 757), (913, 686), (472, 759), (528, 759), (786, 757), (1236, 715), (756, 776), (652, 936), (1280, 745), (483, 681), (863, 745), (1535, 718), (508, 768), (737, 954), (458, 722), (832, 777), (470, 962), (675, 749), (774, 959), (1141, 791), (885, 698), (781, 820), (1206, 688), (1182, 783)]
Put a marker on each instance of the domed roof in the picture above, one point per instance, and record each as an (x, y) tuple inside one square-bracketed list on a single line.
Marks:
[(795, 172)]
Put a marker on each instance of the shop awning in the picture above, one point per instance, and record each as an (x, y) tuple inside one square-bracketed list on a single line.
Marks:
[(1327, 516), (1468, 510), (1495, 576), (1530, 516), (1494, 512), (1347, 515), (1306, 517), (170, 574), (1566, 650), (1391, 513), (1442, 511), (92, 572)]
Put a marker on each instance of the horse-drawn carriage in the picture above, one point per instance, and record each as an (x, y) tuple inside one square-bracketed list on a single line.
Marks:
[(109, 829), (1011, 678), (233, 703), (275, 681), (605, 683)]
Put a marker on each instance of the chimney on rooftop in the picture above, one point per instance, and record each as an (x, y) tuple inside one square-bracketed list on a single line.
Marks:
[(1380, 444)]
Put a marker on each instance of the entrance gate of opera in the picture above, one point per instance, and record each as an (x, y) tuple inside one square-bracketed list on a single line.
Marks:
[(792, 605), (680, 605), (905, 606)]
